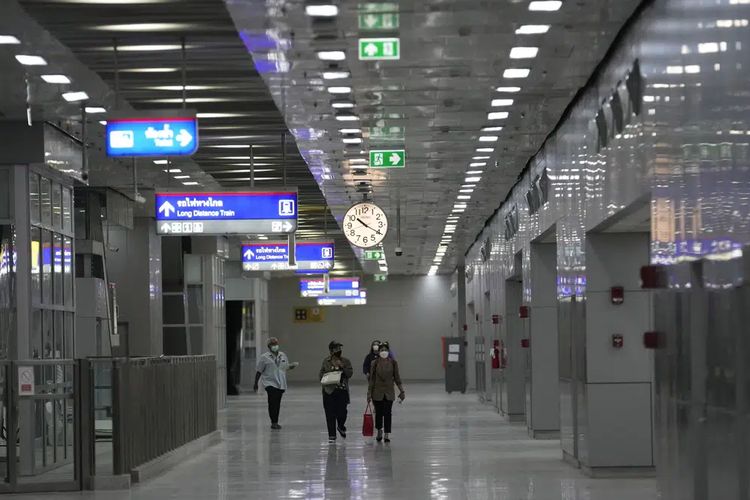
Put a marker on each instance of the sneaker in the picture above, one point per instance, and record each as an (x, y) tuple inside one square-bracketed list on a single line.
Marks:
[(387, 438), (275, 427), (379, 438), (342, 431), (331, 439)]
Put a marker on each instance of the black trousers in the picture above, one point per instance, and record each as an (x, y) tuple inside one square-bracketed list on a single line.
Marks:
[(383, 412), (274, 403), (334, 405)]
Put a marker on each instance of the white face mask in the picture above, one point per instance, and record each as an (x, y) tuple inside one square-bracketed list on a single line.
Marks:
[(384, 354), (274, 348), (375, 348)]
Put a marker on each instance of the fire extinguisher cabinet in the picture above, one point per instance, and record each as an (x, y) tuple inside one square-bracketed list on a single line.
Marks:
[(455, 365)]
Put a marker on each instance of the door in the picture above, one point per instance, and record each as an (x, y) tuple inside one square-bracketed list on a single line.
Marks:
[(455, 365)]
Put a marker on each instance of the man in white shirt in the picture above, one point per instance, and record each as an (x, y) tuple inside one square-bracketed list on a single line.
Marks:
[(271, 369)]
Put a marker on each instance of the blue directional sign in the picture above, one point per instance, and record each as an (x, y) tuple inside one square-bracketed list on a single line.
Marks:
[(152, 135), (246, 212), (337, 287), (329, 300), (274, 256)]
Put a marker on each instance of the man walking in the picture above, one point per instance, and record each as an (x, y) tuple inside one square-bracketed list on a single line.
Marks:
[(272, 368)]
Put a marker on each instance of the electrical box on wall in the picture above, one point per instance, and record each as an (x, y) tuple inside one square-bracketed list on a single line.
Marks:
[(617, 295)]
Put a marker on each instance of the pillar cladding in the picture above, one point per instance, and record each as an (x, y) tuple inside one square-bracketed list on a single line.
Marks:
[(619, 371)]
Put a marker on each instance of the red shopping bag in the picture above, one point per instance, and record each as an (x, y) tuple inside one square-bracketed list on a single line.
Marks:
[(368, 423)]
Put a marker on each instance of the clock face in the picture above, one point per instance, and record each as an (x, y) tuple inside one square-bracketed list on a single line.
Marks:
[(365, 225)]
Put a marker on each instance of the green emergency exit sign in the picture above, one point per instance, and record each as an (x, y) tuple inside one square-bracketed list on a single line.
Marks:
[(373, 254), (388, 158), (379, 21), (381, 277), (376, 49)]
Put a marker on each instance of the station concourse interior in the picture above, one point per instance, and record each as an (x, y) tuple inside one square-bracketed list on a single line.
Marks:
[(523, 224)]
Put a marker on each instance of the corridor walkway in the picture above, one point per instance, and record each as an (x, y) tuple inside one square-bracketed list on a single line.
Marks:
[(444, 447)]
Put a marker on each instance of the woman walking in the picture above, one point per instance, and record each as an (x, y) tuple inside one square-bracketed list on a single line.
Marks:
[(371, 356), (335, 373), (383, 376)]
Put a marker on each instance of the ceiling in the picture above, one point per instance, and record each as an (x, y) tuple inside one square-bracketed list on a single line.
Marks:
[(454, 54), (220, 79)]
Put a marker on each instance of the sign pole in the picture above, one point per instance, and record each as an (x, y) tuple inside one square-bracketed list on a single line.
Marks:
[(84, 156), (292, 242), (283, 155), (252, 166), (184, 74)]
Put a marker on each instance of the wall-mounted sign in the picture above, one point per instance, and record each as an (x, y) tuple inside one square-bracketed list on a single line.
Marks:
[(377, 49), (226, 213), (274, 256), (168, 133), (328, 300), (26, 381), (388, 158), (337, 287), (308, 315)]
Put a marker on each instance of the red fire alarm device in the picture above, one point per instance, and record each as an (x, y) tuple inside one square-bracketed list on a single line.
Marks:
[(523, 312), (495, 319), (653, 277), (617, 295), (651, 340), (525, 343), (617, 341)]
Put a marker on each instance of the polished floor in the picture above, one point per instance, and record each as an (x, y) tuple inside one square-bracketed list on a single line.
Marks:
[(444, 447)]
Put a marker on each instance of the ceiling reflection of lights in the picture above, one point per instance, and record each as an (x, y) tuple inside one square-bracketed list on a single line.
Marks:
[(465, 190), (472, 179), (342, 104), (545, 5), (488, 138), (140, 27), (347, 117), (331, 55), (478, 164), (501, 102), (75, 96), (480, 157), (27, 60), (508, 90), (497, 115), (516, 73), (194, 183), (532, 29), (523, 52), (339, 90), (322, 10), (485, 150), (9, 40), (92, 110), (335, 75), (491, 129), (350, 130), (474, 172), (352, 140), (61, 79)]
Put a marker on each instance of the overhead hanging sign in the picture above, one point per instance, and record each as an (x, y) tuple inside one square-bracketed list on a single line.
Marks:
[(337, 287), (375, 21), (274, 256), (390, 158), (156, 133), (374, 254), (376, 49), (329, 300), (248, 212)]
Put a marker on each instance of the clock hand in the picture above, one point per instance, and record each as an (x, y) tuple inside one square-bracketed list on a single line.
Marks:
[(364, 224)]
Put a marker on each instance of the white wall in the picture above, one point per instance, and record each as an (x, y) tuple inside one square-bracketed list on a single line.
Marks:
[(412, 313)]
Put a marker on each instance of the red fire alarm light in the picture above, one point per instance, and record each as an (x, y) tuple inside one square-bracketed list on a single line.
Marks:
[(523, 312), (617, 295)]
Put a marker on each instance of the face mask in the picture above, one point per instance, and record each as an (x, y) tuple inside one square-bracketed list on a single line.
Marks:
[(337, 353), (274, 348), (384, 354), (375, 348)]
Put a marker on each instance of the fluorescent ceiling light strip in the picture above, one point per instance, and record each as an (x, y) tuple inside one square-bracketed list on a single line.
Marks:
[(335, 75), (322, 10), (501, 102), (485, 150), (545, 5), (60, 79), (497, 115), (339, 90), (516, 73), (532, 29), (9, 40), (75, 96), (28, 60), (332, 55), (140, 27), (524, 52), (488, 138), (508, 90), (92, 110)]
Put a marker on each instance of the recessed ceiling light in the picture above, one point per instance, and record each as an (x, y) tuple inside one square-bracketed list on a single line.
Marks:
[(9, 40), (92, 110), (480, 157), (184, 87), (501, 102), (497, 115), (182, 177), (485, 150), (335, 75), (195, 100), (491, 129), (193, 183), (474, 172), (141, 27), (339, 90), (545, 5), (468, 185), (342, 104), (61, 79), (532, 29), (75, 96), (488, 138), (465, 190), (352, 140), (508, 90), (523, 52), (347, 117), (102, 122), (516, 73), (31, 60), (161, 162), (478, 164), (150, 70), (350, 130), (331, 55), (472, 179), (322, 10), (463, 197)]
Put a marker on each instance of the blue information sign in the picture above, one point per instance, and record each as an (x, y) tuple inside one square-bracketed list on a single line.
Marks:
[(329, 300), (152, 136), (337, 287), (274, 256), (226, 213)]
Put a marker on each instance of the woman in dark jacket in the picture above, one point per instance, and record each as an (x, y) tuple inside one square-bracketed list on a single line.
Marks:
[(371, 356), (336, 396), (384, 375)]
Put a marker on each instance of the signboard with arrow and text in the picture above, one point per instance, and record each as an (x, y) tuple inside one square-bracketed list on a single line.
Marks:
[(393, 158), (164, 133)]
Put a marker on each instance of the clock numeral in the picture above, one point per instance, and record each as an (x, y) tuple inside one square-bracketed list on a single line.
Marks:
[(364, 240), (352, 233)]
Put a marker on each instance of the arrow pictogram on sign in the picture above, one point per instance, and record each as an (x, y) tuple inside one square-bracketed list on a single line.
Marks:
[(184, 138), (166, 208)]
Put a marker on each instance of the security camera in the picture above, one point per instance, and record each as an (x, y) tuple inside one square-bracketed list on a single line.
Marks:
[(85, 176), (399, 251)]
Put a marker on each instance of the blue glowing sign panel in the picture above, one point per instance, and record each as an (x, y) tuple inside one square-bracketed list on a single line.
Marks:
[(226, 213), (152, 135), (269, 256), (329, 300), (337, 287)]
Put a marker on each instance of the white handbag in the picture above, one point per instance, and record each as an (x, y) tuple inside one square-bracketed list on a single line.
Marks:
[(331, 378)]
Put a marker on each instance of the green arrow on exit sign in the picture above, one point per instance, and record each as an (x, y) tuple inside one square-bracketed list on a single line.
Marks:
[(373, 254), (378, 21), (381, 277), (375, 49), (388, 158)]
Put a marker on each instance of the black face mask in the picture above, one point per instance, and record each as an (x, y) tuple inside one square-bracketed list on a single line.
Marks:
[(337, 353)]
